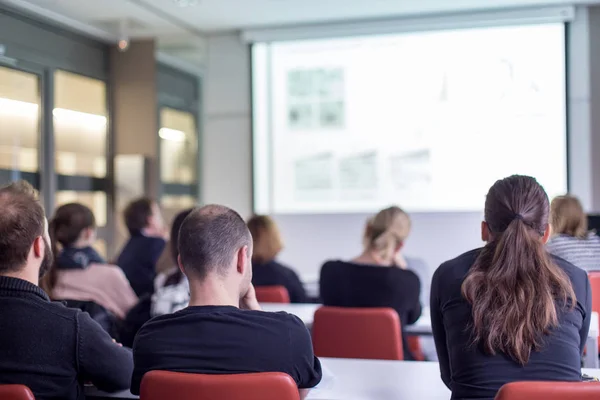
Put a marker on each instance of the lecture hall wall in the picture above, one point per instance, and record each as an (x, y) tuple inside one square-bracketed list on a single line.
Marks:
[(436, 237)]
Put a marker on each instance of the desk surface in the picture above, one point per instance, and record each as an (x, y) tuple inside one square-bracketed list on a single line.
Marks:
[(365, 380)]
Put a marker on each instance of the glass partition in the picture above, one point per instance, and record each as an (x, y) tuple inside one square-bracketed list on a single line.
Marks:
[(19, 126), (80, 138), (178, 160)]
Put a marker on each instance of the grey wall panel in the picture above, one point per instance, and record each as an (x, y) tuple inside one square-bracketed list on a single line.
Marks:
[(178, 89), (34, 41)]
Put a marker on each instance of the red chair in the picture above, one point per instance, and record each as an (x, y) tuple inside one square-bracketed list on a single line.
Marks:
[(549, 391), (162, 385), (272, 294), (595, 284), (414, 344), (15, 392), (368, 333)]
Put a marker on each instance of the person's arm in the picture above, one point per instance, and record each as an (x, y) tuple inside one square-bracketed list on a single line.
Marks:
[(101, 361), (439, 332), (585, 327), (414, 289), (249, 301), (304, 366)]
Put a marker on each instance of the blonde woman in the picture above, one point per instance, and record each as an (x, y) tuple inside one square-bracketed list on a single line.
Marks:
[(571, 239), (266, 271), (379, 276)]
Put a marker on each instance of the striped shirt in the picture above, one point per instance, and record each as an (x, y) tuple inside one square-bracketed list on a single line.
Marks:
[(583, 253)]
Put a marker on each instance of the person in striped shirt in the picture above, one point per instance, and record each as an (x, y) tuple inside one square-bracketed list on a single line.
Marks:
[(571, 238)]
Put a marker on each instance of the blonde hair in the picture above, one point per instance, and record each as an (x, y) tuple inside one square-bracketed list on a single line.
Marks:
[(266, 238), (386, 230), (567, 217)]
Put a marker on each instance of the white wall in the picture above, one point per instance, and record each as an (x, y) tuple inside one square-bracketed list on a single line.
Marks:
[(436, 237)]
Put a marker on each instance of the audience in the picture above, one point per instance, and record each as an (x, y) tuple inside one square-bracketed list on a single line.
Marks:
[(379, 276), (509, 311), (46, 346), (172, 288), (571, 239), (138, 258), (266, 271), (80, 275), (223, 329)]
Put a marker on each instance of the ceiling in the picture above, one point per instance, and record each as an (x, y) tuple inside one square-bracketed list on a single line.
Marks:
[(180, 26)]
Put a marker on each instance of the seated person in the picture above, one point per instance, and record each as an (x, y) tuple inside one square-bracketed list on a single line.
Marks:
[(138, 258), (509, 311), (222, 331), (266, 271), (377, 278), (172, 291), (79, 273), (46, 346), (571, 239)]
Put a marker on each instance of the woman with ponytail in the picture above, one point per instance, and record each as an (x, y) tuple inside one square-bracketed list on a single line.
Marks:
[(379, 276), (510, 311), (79, 275)]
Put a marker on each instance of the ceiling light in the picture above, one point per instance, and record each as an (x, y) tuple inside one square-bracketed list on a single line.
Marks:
[(172, 135), (186, 3)]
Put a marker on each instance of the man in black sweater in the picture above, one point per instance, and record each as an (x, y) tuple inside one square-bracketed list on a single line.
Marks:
[(49, 348), (223, 331)]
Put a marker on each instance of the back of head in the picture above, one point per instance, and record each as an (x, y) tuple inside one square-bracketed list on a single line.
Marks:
[(69, 221), (22, 220), (209, 240), (567, 217), (137, 214), (386, 231), (266, 238), (514, 286)]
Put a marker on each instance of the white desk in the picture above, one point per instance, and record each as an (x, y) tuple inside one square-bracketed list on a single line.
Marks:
[(364, 380), (422, 327)]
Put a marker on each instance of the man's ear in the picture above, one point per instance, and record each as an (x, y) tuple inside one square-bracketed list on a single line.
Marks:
[(39, 247), (485, 231), (547, 234), (180, 265), (242, 260)]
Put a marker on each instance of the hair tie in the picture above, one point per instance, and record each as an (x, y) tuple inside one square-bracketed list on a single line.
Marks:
[(518, 216)]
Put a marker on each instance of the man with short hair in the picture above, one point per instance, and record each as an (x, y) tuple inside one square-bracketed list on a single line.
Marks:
[(43, 345), (138, 258), (223, 330)]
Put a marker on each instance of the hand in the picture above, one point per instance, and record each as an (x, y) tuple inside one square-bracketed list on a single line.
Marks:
[(248, 301)]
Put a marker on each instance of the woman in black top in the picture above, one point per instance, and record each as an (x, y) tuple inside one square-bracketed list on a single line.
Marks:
[(378, 277), (266, 271), (510, 311)]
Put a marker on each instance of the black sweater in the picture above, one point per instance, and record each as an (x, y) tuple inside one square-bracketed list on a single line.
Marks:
[(347, 284), (472, 374), (138, 260), (273, 273), (53, 349)]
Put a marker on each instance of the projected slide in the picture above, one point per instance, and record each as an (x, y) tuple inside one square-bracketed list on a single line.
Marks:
[(426, 120)]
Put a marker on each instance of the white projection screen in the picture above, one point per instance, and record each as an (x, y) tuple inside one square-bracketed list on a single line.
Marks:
[(425, 120)]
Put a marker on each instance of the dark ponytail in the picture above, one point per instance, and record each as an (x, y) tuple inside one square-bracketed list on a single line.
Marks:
[(514, 287)]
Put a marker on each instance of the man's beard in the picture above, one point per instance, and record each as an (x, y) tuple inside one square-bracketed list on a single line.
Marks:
[(48, 259)]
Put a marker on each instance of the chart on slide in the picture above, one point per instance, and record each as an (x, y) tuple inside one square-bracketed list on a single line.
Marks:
[(426, 120)]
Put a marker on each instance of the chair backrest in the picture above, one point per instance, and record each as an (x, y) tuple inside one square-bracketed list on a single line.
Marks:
[(272, 294), (549, 391), (160, 385), (595, 285), (368, 333), (15, 392)]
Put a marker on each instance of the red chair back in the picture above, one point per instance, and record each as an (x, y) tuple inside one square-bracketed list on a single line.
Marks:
[(414, 344), (549, 391), (272, 294), (15, 392), (368, 333), (161, 385), (595, 284)]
